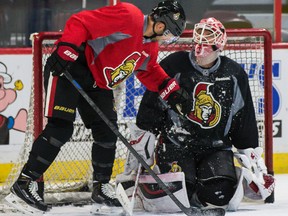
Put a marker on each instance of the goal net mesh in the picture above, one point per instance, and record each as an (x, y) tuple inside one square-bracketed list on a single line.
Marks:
[(71, 172)]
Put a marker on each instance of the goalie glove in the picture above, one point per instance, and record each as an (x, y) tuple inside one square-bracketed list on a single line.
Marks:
[(178, 99), (255, 174), (144, 143), (63, 57)]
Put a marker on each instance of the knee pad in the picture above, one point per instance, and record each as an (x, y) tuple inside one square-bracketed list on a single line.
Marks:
[(58, 130), (47, 146), (217, 191), (102, 133)]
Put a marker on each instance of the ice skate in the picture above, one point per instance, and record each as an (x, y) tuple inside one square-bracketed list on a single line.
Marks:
[(104, 200), (25, 189)]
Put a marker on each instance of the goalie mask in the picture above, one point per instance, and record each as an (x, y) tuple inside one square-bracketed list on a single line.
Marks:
[(172, 15), (209, 37)]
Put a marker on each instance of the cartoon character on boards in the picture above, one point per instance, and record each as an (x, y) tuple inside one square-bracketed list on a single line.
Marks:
[(7, 97)]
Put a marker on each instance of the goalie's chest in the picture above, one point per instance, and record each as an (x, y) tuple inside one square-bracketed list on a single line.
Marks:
[(213, 97)]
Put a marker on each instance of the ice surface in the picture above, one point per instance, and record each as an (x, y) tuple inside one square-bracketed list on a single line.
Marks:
[(278, 208)]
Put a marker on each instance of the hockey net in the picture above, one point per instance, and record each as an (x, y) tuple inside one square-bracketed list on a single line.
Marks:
[(71, 172)]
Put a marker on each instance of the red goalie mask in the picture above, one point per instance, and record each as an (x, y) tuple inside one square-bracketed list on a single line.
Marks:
[(210, 37)]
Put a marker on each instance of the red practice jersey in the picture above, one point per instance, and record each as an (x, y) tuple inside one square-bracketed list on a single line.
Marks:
[(115, 45)]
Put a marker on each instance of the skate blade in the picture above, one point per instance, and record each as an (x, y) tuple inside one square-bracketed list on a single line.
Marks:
[(101, 209), (15, 202)]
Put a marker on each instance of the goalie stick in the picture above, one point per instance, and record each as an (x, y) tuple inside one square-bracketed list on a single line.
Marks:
[(188, 211), (123, 198)]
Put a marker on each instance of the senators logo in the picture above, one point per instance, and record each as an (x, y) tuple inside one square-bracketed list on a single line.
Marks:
[(206, 110), (114, 76)]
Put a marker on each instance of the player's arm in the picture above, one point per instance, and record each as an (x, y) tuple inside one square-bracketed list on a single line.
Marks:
[(150, 114), (157, 80), (62, 58), (243, 132), (90, 25), (244, 136)]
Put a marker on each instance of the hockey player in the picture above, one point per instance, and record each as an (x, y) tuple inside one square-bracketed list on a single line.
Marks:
[(200, 143), (100, 49)]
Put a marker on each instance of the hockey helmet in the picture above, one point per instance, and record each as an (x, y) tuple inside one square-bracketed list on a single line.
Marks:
[(216, 37), (170, 13)]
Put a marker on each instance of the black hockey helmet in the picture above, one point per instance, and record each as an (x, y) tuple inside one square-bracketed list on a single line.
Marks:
[(171, 13)]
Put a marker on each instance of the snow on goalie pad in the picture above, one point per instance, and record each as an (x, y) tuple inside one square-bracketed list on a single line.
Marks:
[(156, 200)]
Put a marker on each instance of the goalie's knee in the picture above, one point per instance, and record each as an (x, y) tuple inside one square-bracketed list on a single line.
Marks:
[(217, 191)]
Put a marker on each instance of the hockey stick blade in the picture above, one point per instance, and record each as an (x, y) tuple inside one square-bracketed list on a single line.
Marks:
[(15, 202), (124, 200), (184, 209), (208, 212)]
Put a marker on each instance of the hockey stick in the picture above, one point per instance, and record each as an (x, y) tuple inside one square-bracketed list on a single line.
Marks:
[(135, 188), (186, 210), (123, 198)]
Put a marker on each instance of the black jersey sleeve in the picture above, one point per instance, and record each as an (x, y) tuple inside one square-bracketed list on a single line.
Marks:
[(244, 132), (150, 114), (175, 63)]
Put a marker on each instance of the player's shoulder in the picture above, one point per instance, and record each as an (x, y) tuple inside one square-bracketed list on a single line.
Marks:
[(231, 64), (131, 14), (130, 9), (179, 56), (227, 60), (177, 62)]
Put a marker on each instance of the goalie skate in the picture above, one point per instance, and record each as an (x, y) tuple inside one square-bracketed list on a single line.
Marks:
[(17, 203)]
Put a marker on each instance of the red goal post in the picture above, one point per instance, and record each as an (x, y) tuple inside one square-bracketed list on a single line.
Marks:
[(266, 45), (252, 48)]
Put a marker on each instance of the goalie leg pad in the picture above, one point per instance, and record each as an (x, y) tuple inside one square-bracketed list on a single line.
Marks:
[(239, 193), (217, 178), (144, 143), (217, 191), (154, 199), (167, 153)]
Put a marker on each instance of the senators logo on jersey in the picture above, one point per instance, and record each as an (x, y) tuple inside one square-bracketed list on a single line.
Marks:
[(206, 110), (114, 76)]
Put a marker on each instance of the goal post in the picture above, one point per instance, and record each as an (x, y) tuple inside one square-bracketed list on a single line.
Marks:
[(71, 172)]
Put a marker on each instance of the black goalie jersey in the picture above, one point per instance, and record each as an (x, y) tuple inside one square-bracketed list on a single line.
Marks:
[(222, 105)]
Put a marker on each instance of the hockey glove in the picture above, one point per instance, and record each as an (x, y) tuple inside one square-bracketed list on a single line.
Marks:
[(255, 174), (63, 57), (176, 97), (144, 143)]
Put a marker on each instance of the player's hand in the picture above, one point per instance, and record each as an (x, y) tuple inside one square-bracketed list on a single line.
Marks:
[(63, 57), (178, 99)]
